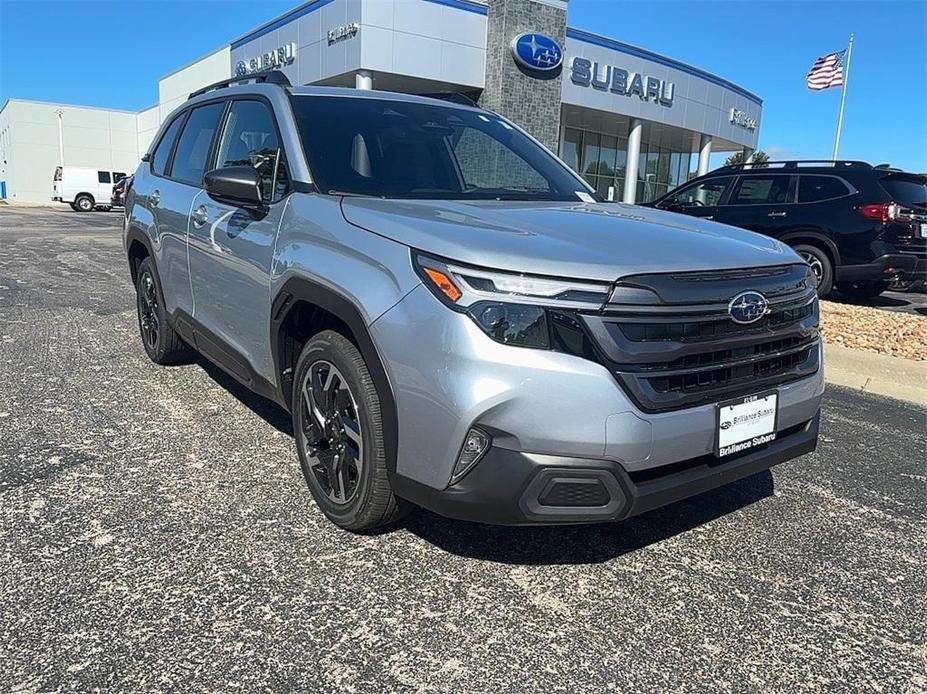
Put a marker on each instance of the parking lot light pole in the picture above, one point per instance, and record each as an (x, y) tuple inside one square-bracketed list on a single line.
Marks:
[(60, 113)]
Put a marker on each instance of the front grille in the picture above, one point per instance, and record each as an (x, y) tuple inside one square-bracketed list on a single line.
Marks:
[(670, 355), (692, 331)]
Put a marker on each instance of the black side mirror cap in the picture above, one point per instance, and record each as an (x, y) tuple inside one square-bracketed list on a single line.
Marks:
[(236, 185)]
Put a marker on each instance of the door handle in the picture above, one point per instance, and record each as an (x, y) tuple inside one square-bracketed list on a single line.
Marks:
[(155, 197), (199, 216), (777, 214)]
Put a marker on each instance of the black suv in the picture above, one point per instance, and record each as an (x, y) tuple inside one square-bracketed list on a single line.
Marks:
[(858, 226)]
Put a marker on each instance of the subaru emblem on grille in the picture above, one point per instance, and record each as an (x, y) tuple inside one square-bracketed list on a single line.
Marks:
[(748, 307)]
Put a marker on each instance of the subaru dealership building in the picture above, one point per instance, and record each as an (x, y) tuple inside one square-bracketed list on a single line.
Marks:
[(633, 122)]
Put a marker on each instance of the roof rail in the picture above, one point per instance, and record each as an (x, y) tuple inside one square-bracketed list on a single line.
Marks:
[(265, 77), (794, 164)]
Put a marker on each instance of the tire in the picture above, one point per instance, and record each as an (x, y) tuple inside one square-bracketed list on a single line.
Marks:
[(863, 290), (820, 264), (74, 207), (84, 203), (162, 344), (334, 395)]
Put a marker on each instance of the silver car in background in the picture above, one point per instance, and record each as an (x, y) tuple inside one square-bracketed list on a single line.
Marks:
[(452, 317)]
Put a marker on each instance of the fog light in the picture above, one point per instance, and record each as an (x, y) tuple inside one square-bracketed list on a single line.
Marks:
[(475, 445)]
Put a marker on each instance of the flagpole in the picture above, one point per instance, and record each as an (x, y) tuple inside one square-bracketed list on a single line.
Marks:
[(843, 97)]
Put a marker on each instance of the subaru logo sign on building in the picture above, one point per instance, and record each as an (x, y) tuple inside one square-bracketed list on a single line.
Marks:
[(748, 307), (537, 52)]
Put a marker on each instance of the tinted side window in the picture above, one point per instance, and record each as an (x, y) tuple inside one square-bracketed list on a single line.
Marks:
[(250, 139), (103, 177), (814, 188), (761, 190), (707, 193), (194, 144), (163, 151)]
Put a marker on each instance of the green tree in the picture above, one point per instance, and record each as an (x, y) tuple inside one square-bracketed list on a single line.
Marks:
[(760, 159)]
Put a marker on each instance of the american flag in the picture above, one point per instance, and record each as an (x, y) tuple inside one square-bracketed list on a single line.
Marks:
[(827, 71)]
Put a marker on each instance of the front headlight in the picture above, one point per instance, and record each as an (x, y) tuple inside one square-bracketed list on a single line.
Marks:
[(511, 308)]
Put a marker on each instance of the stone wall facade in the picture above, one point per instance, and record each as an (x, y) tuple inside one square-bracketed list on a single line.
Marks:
[(530, 99)]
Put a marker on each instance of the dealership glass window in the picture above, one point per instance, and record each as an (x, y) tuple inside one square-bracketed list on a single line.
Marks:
[(591, 142), (250, 139), (761, 190), (571, 148), (163, 150), (195, 141)]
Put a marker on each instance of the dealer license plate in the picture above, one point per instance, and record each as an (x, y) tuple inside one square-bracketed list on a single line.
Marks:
[(744, 423)]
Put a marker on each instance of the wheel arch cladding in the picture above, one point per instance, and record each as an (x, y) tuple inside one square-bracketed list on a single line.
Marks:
[(303, 308), (138, 247)]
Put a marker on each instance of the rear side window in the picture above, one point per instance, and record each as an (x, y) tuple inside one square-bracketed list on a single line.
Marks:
[(707, 193), (250, 139), (817, 188), (163, 151), (104, 177), (761, 190), (907, 191), (195, 143)]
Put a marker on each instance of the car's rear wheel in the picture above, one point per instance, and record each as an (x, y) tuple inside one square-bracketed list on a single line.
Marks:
[(162, 344), (339, 434), (821, 266), (83, 203), (861, 291)]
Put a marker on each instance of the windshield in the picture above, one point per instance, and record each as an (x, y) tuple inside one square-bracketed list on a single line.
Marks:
[(399, 149)]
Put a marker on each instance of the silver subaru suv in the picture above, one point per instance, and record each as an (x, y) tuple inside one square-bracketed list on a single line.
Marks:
[(454, 319)]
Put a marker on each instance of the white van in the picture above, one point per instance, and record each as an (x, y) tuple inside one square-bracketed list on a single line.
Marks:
[(85, 189)]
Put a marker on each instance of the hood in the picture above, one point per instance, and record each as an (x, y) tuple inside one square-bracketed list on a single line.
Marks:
[(598, 241)]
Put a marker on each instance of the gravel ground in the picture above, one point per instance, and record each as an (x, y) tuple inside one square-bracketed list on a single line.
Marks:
[(156, 535), (875, 330)]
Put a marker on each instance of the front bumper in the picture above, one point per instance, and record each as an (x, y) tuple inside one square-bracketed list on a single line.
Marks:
[(514, 488), (547, 410), (883, 268)]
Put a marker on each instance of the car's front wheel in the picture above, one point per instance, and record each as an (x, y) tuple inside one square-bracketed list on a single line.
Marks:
[(821, 266), (339, 434)]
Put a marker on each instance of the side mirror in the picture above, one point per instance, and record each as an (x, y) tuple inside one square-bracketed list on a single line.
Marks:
[(236, 185)]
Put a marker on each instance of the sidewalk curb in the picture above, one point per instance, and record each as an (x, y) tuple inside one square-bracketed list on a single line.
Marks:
[(902, 379)]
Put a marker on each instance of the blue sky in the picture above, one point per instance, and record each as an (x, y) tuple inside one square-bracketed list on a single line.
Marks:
[(112, 53)]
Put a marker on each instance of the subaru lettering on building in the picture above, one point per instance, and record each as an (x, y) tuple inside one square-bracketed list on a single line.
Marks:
[(585, 73), (278, 57)]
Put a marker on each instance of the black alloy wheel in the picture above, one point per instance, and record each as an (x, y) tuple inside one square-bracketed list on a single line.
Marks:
[(331, 434), (148, 320), (820, 265)]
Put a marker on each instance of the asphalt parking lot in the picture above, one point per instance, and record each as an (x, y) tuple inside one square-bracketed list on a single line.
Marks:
[(156, 534)]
